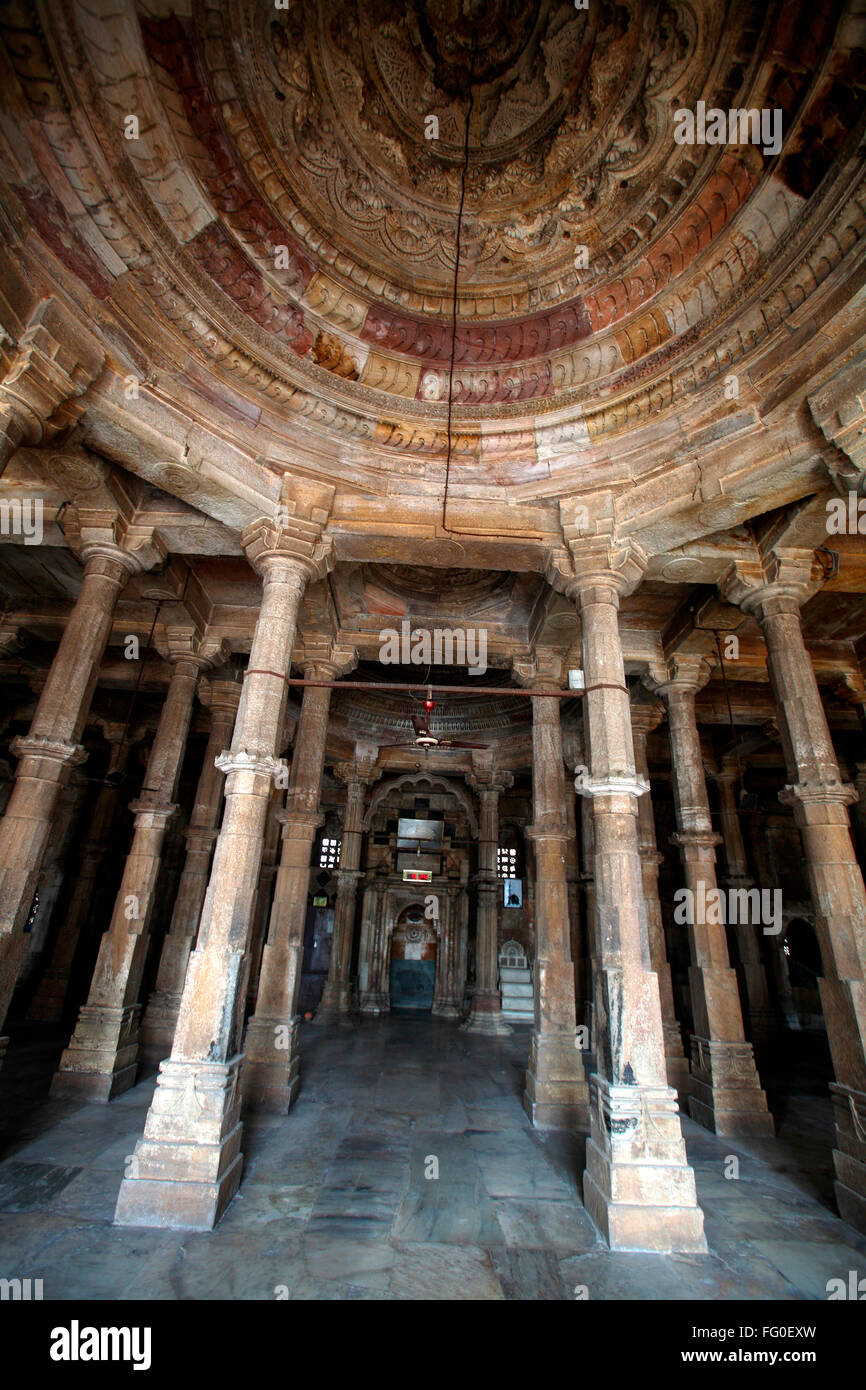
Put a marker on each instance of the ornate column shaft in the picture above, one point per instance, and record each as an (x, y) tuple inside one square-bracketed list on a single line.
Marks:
[(573, 892), (645, 718), (51, 748), (374, 996), (48, 1001), (448, 998), (485, 1015), (271, 843), (738, 880), (556, 1094), (726, 1093), (271, 1068), (774, 590), (160, 1016), (187, 1165), (860, 814), (335, 1000), (101, 1059), (638, 1186), (56, 866)]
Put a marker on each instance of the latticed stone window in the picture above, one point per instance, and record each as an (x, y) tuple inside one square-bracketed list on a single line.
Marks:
[(506, 863), (329, 854)]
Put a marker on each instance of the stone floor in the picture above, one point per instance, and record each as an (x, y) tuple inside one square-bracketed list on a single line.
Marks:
[(335, 1203)]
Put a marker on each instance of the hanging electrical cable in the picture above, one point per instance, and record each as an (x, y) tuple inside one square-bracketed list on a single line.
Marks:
[(454, 295), (454, 530)]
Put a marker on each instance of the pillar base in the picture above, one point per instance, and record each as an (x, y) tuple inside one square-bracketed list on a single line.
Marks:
[(763, 1027), (557, 1092), (726, 1095), (849, 1155), (488, 1022), (49, 999), (445, 1009), (331, 1016), (101, 1061), (678, 1075), (375, 1003), (638, 1187), (187, 1166), (270, 1079), (334, 1007), (157, 1026)]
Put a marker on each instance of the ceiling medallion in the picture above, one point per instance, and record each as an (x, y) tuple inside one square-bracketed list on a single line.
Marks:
[(484, 38)]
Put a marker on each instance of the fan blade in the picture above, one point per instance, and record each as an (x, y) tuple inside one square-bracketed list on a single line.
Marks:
[(420, 725), (455, 743)]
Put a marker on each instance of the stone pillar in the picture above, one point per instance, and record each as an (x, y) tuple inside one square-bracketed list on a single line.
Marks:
[(860, 814), (485, 1015), (51, 748), (446, 1001), (573, 893), (56, 361), (160, 1016), (645, 718), (726, 1094), (101, 1060), (48, 1001), (773, 590), (271, 1067), (373, 988), (556, 1095), (387, 917), (587, 881), (335, 1001), (265, 891), (186, 1167), (55, 867), (638, 1186), (738, 880)]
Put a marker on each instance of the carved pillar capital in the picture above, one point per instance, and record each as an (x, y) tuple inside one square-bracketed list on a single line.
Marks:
[(56, 360), (221, 697), (540, 670), (598, 564), (296, 535), (780, 580), (685, 674), (326, 661), (489, 783), (646, 715), (186, 645)]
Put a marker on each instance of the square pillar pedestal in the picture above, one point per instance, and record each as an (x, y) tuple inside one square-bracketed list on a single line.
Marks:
[(638, 1187), (187, 1166), (101, 1061), (849, 1155), (724, 1095), (556, 1094), (272, 1067)]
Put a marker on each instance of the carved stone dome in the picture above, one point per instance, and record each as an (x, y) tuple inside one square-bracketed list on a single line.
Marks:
[(279, 238)]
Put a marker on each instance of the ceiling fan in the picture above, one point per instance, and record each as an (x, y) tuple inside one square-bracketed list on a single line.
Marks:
[(424, 735)]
